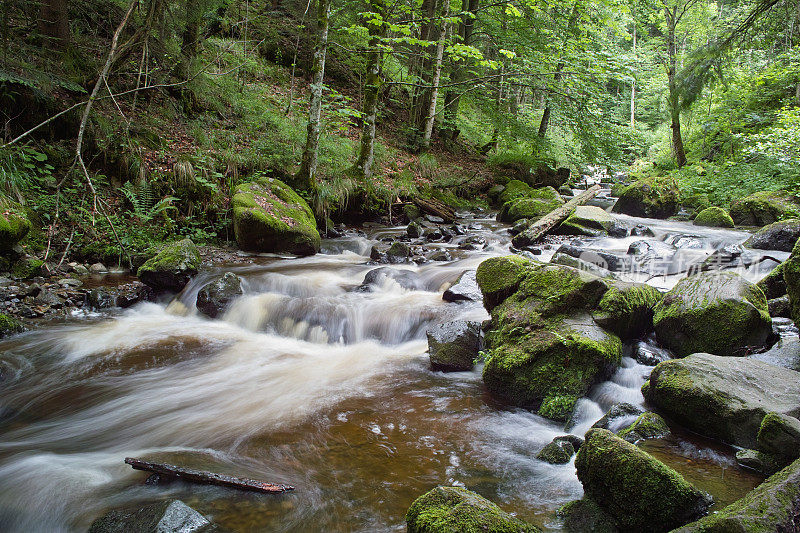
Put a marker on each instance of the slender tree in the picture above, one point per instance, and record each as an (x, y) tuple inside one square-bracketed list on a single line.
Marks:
[(54, 24), (430, 117)]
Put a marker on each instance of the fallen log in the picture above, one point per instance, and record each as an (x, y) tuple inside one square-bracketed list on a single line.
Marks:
[(436, 208), (207, 478), (541, 227)]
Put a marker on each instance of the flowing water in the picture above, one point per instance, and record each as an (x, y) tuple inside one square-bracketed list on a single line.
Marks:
[(308, 381)]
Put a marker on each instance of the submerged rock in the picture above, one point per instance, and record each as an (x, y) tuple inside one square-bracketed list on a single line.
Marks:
[(451, 509), (765, 207), (725, 398), (215, 297), (781, 236), (268, 216), (656, 197), (464, 289), (619, 417), (714, 217), (454, 346), (172, 268), (640, 492), (162, 517), (771, 507), (714, 312)]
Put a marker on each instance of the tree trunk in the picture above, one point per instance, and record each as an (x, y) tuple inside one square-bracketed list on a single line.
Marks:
[(371, 92), (425, 62), (633, 85), (573, 21), (306, 177), (452, 99), (54, 24), (437, 76), (674, 97)]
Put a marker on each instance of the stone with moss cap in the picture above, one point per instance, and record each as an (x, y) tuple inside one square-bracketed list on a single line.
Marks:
[(14, 224), (9, 325), (771, 507), (715, 312), (656, 197), (773, 284), (627, 309), (779, 436), (640, 492), (533, 205), (587, 220), (647, 426), (268, 216), (450, 509), (514, 190), (172, 268), (725, 398), (713, 217), (499, 277), (781, 235), (764, 207)]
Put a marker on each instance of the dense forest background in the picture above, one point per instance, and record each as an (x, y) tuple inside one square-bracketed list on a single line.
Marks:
[(129, 123)]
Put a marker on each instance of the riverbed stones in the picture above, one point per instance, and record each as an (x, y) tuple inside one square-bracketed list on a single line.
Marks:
[(215, 297), (640, 492), (14, 224), (780, 235), (449, 509), (398, 252), (713, 217), (162, 517), (771, 507), (453, 346), (268, 216), (764, 207), (715, 312), (725, 398), (172, 268), (587, 220), (627, 309), (657, 197)]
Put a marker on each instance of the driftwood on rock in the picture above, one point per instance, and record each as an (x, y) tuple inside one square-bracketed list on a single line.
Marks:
[(436, 208), (208, 478), (541, 227)]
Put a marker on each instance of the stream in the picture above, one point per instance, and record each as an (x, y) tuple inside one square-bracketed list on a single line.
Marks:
[(308, 381)]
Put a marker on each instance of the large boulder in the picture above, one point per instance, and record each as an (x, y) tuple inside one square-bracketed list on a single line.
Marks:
[(514, 190), (715, 312), (449, 509), (765, 207), (499, 277), (627, 309), (162, 517), (640, 492), (453, 346), (587, 220), (172, 268), (545, 349), (779, 436), (657, 197), (781, 236), (725, 398), (215, 297), (14, 224), (769, 508), (713, 217), (532, 206), (268, 216)]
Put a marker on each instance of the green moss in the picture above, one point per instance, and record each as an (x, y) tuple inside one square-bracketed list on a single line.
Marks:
[(9, 325), (764, 207), (640, 492), (647, 426), (714, 217), (587, 220), (583, 516), (773, 284), (558, 452), (529, 203), (27, 268), (449, 509), (791, 277), (654, 197), (627, 309), (172, 267), (514, 190), (14, 224), (779, 435), (558, 407), (499, 277)]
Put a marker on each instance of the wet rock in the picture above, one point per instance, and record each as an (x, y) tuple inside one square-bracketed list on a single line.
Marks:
[(101, 298), (781, 236), (597, 257), (98, 268), (619, 417), (638, 491), (405, 278), (627, 309), (773, 284), (587, 220), (215, 297), (684, 242), (770, 507), (450, 509), (454, 346), (640, 230), (132, 293), (172, 268), (464, 289), (758, 461), (713, 217), (656, 197), (648, 354), (765, 207), (414, 230), (647, 426), (567, 260), (162, 517), (499, 277), (441, 255), (557, 452), (724, 398), (376, 255), (268, 216), (520, 226), (434, 219), (779, 436), (585, 516), (49, 298), (714, 312), (398, 252), (80, 270), (780, 307)]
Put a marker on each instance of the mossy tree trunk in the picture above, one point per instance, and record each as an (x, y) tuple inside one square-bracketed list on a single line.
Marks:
[(190, 36), (54, 24), (673, 15), (306, 177), (376, 25)]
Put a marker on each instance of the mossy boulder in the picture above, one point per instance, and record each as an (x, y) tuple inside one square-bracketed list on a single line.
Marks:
[(450, 509), (545, 348), (514, 190), (268, 216), (453, 346), (640, 492), (791, 277), (585, 516), (764, 207), (627, 309), (9, 326), (557, 452), (215, 297), (715, 312), (499, 277), (172, 268), (724, 398), (14, 224), (714, 217), (782, 235), (533, 205), (27, 267), (773, 284), (647, 426), (769, 508), (779, 436), (587, 220), (657, 197)]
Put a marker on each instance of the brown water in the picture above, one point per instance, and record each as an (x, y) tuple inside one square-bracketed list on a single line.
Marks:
[(303, 381)]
